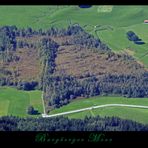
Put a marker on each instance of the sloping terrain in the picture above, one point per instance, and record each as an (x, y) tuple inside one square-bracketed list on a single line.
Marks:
[(79, 62), (29, 55), (27, 68), (28, 65), (139, 115), (72, 58), (82, 66), (101, 20)]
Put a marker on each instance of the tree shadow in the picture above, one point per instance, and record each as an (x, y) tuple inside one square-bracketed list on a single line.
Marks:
[(139, 42), (36, 112)]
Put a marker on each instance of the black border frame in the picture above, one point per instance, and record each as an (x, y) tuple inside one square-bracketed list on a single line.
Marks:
[(122, 138), (73, 2), (108, 138)]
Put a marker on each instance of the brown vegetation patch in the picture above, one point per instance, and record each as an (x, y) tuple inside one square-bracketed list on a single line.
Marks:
[(77, 61), (27, 67)]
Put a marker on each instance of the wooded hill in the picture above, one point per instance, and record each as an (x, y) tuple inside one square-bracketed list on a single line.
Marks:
[(67, 64)]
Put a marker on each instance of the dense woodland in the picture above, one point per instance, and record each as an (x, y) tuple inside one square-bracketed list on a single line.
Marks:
[(60, 88), (10, 123)]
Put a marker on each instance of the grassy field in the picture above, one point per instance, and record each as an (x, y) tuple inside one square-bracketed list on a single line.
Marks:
[(29, 16), (135, 114), (139, 115), (43, 16), (15, 102)]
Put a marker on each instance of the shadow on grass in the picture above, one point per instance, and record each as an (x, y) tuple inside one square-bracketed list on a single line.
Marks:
[(36, 112)]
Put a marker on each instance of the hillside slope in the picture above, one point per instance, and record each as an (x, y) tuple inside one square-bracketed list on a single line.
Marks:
[(110, 28)]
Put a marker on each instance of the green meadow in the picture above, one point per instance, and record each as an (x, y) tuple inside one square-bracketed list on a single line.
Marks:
[(15, 102), (136, 114)]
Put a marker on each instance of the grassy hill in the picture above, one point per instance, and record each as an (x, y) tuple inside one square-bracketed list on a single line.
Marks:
[(136, 114), (25, 16), (15, 102)]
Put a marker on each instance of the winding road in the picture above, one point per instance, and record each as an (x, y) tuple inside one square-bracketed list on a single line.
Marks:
[(94, 107)]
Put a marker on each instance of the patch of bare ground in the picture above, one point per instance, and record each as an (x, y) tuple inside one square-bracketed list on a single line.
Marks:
[(62, 39), (77, 61), (28, 64), (27, 67), (71, 60)]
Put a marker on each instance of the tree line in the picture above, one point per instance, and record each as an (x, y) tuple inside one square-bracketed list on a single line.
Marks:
[(11, 123)]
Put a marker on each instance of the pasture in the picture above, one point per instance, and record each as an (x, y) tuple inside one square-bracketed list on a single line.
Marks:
[(15, 102), (136, 114)]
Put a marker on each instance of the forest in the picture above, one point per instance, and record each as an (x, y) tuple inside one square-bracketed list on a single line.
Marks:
[(61, 90), (61, 87), (11, 123)]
